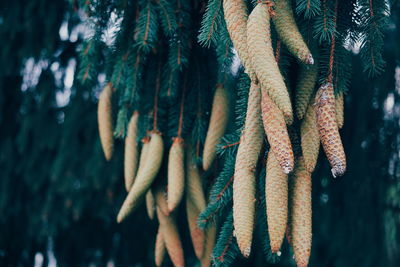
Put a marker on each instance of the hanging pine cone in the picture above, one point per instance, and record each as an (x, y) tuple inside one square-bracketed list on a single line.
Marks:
[(131, 151), (105, 121), (339, 106), (171, 237), (217, 125), (277, 134), (159, 248), (235, 14), (150, 204), (310, 139), (176, 174), (328, 129), (301, 229), (145, 178), (244, 181), (304, 88), (210, 234), (195, 203), (263, 59), (276, 195), (288, 32)]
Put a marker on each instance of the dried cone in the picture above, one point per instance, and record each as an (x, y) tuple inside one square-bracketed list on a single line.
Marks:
[(217, 125), (244, 181), (104, 117), (263, 60), (328, 129), (159, 249), (144, 178), (211, 233), (301, 229), (150, 204), (131, 152), (288, 32), (172, 239), (304, 88), (339, 105), (277, 134), (176, 174), (276, 195), (310, 139), (235, 14)]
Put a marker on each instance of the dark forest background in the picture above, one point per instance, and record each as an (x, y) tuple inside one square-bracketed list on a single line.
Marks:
[(59, 197)]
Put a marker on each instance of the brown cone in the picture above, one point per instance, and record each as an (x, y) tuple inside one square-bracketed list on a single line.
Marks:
[(277, 134), (328, 129)]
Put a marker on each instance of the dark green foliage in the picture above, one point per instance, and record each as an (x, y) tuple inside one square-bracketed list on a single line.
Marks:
[(226, 249), (58, 194), (211, 23), (373, 21), (310, 8)]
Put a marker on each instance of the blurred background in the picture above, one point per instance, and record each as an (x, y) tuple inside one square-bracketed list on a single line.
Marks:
[(59, 197)]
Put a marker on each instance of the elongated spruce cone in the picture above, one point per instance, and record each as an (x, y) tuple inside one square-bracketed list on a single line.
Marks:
[(339, 105), (276, 195), (305, 88), (176, 173), (244, 178), (150, 204), (159, 249), (301, 212), (288, 31), (145, 178), (217, 125), (277, 134), (131, 157), (263, 60), (105, 121), (236, 15), (310, 139), (172, 238), (328, 129)]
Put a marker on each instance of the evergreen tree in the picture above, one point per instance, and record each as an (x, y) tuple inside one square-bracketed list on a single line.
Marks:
[(162, 73)]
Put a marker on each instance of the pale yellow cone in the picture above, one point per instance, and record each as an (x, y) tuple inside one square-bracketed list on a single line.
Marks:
[(159, 249), (217, 126), (211, 234), (301, 212), (288, 31), (131, 157), (176, 174), (244, 178), (150, 204), (145, 178), (276, 196), (310, 139), (263, 60), (105, 121)]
